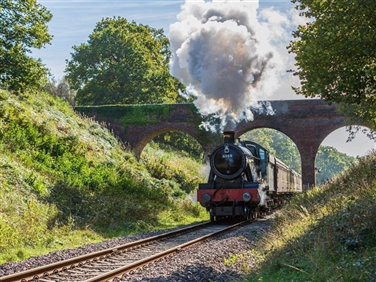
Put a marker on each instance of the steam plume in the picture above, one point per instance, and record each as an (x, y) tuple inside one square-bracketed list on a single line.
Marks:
[(222, 53)]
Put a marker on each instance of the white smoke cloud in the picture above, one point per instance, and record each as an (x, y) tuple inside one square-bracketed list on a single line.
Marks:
[(225, 56)]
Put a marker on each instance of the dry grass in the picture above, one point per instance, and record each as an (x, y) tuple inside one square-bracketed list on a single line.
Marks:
[(325, 234)]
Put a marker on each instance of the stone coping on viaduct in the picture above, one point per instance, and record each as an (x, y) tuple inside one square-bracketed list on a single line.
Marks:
[(307, 122)]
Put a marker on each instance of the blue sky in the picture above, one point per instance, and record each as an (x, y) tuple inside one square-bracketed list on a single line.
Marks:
[(74, 21)]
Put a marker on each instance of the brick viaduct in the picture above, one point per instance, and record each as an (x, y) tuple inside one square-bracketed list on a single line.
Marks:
[(306, 122)]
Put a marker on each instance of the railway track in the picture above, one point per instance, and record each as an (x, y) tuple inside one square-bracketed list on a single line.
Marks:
[(107, 264)]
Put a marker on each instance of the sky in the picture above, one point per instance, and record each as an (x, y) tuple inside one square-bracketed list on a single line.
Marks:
[(74, 21)]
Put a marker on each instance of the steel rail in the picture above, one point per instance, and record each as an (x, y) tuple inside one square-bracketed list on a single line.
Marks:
[(119, 271), (46, 270)]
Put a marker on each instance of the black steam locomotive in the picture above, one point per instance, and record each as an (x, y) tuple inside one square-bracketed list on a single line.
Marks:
[(244, 180)]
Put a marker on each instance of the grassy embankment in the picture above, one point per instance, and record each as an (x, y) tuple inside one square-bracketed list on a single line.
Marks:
[(325, 234), (65, 181)]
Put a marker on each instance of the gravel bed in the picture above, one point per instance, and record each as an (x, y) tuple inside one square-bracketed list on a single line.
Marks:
[(210, 261), (213, 260)]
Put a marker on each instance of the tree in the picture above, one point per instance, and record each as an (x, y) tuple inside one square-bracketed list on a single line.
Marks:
[(60, 89), (122, 62), (336, 54), (50, 86), (180, 141), (65, 92), (330, 162), (23, 26)]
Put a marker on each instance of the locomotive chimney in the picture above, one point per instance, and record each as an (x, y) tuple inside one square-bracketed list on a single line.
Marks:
[(229, 137)]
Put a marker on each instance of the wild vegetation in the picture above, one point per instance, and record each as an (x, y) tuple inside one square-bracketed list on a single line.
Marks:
[(161, 162), (66, 181), (330, 163), (329, 62), (325, 234)]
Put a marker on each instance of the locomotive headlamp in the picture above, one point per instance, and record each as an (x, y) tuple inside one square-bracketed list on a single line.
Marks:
[(205, 199), (246, 197)]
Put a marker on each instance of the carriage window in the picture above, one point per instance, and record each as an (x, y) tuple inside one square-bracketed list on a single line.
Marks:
[(262, 154), (263, 162)]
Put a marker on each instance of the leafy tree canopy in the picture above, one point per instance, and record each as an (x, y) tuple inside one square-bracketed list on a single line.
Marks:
[(122, 63), (60, 89), (336, 53), (23, 26), (330, 162), (180, 141)]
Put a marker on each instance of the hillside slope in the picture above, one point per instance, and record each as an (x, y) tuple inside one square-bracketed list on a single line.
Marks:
[(66, 181), (325, 234)]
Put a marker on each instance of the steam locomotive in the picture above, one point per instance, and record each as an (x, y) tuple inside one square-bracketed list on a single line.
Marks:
[(245, 180)]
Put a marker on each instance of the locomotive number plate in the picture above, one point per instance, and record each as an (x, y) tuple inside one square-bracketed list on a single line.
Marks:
[(226, 156)]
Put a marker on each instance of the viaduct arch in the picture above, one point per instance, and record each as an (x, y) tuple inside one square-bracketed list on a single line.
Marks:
[(306, 122)]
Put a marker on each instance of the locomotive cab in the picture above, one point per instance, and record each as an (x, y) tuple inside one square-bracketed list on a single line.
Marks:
[(261, 157), (265, 164)]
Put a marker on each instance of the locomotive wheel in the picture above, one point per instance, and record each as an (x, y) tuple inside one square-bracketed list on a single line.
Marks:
[(247, 213), (212, 218), (250, 215), (256, 213)]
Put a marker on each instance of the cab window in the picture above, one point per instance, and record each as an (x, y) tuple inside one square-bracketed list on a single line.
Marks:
[(262, 161), (252, 149), (262, 154)]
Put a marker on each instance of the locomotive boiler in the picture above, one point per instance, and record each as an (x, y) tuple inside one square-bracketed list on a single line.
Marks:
[(244, 180)]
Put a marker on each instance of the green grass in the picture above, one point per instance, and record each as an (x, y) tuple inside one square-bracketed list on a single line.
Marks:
[(325, 234), (175, 166), (66, 181)]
